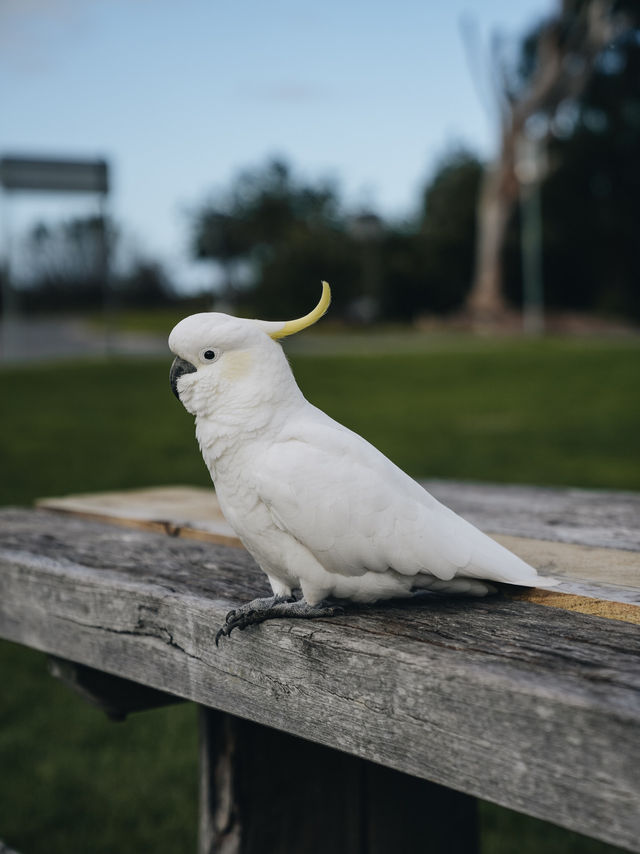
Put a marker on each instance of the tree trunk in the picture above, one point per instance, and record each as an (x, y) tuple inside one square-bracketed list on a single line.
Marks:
[(578, 32), (485, 302)]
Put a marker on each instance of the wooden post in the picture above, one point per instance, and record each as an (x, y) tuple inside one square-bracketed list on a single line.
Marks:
[(411, 815), (262, 791), (117, 697)]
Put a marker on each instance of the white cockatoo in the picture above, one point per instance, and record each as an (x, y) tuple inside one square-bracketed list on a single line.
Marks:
[(319, 508)]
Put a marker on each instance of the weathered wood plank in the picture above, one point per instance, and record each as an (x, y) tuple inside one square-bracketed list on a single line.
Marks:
[(596, 518), (613, 575), (533, 708), (589, 517), (572, 561), (179, 511), (266, 792)]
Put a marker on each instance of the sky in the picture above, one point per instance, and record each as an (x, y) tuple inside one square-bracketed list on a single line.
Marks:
[(180, 97)]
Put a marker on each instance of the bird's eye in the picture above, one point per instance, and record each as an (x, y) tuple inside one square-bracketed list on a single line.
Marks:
[(209, 355)]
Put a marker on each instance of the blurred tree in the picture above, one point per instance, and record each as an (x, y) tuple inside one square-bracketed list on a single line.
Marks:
[(405, 291), (290, 233), (428, 265), (222, 237), (272, 203), (592, 198), (144, 285), (293, 234), (290, 277), (449, 229), (64, 264), (547, 98)]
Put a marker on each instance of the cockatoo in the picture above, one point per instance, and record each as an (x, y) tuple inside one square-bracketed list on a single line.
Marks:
[(319, 508)]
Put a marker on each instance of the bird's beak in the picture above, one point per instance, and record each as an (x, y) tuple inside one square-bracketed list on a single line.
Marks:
[(178, 368)]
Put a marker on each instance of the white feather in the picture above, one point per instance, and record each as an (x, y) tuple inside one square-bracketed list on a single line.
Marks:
[(317, 505)]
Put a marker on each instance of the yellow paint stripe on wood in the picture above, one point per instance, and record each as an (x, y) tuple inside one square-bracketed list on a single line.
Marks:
[(624, 611)]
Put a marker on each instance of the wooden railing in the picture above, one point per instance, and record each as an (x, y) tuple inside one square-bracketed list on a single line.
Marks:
[(374, 730)]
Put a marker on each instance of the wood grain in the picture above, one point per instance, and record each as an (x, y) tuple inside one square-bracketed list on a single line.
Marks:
[(588, 517), (266, 792), (531, 707), (179, 511), (595, 579), (596, 518)]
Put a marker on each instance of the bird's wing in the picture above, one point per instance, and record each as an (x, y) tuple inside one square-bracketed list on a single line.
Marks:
[(357, 512)]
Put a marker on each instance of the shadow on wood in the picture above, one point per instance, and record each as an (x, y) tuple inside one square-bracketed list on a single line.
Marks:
[(266, 792), (117, 697)]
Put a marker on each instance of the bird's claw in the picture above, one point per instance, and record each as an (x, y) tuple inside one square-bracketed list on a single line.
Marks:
[(232, 623), (260, 610), (253, 612)]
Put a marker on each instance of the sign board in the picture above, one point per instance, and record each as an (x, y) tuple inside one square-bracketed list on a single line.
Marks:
[(74, 176)]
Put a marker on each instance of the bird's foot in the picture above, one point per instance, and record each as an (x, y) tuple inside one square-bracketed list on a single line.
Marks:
[(271, 608)]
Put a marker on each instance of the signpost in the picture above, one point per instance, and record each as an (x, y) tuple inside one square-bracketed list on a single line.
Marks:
[(62, 176), (59, 175)]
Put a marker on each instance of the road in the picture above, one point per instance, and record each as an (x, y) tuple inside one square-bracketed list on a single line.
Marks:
[(61, 337)]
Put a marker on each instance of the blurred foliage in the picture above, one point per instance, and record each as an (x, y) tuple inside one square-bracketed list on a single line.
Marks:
[(428, 265), (273, 235), (449, 230), (64, 266), (464, 408), (144, 284), (286, 233), (73, 781), (591, 194), (289, 234)]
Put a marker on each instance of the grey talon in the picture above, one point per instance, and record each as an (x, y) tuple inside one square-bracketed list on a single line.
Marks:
[(271, 608)]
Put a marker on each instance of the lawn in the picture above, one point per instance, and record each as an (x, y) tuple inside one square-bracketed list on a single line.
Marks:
[(550, 412)]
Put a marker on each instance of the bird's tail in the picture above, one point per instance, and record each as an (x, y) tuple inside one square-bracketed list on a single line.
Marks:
[(543, 581), (491, 560)]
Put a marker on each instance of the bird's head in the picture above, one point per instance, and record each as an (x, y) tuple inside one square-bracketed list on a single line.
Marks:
[(233, 362)]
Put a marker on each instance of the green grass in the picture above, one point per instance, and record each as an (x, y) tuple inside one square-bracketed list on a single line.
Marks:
[(72, 781), (549, 412), (101, 425), (554, 412)]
